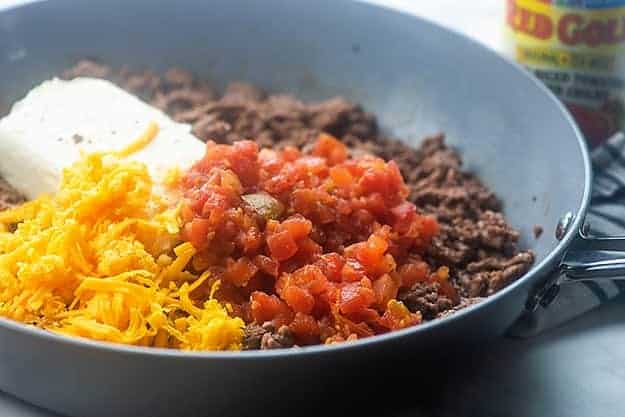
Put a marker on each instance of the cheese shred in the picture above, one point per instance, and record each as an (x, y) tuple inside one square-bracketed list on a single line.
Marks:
[(102, 259), (141, 142)]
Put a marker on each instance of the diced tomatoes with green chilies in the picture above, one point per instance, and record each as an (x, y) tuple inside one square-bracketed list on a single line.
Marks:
[(315, 240)]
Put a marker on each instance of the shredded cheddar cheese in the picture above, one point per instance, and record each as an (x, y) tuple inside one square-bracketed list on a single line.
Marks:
[(102, 259), (141, 142)]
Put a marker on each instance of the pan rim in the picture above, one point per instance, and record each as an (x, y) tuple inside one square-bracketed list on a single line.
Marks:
[(547, 262)]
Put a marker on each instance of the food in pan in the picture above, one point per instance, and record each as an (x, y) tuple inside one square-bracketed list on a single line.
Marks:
[(296, 224)]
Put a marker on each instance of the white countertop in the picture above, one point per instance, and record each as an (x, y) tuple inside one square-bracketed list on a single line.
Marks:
[(479, 19)]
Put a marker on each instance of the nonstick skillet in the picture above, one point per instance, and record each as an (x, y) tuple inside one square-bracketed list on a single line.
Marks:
[(416, 77)]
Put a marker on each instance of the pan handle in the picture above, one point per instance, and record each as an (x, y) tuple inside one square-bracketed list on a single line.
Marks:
[(590, 259), (595, 258)]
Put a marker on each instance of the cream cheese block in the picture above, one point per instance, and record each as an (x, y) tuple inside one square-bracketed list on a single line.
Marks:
[(47, 130)]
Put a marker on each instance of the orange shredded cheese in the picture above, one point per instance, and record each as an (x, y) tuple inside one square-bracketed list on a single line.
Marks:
[(141, 142), (102, 259)]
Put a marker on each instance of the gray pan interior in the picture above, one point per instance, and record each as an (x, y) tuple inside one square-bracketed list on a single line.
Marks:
[(416, 77)]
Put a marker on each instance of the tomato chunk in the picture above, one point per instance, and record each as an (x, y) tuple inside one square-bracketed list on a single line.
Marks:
[(297, 226), (305, 329), (330, 148), (198, 232), (281, 245), (299, 299), (385, 289), (355, 297), (240, 272), (266, 307)]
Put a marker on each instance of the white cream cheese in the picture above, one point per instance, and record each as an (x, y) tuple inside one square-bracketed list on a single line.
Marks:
[(47, 130)]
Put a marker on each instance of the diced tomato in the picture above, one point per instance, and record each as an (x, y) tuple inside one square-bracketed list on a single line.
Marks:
[(442, 277), (308, 250), (352, 271), (216, 199), (347, 327), (395, 177), (298, 226), (375, 204), (374, 181), (266, 307), (341, 176), (309, 279), (365, 315), (291, 153), (355, 297), (282, 182), (228, 293), (331, 265), (281, 245), (204, 260), (314, 240), (314, 166), (244, 161), (198, 231), (266, 264), (239, 272), (397, 316), (250, 240), (329, 147), (314, 204), (323, 305), (312, 276), (272, 226), (299, 299), (412, 273), (429, 227), (258, 282), (370, 254), (305, 329), (385, 289), (186, 213), (405, 211)]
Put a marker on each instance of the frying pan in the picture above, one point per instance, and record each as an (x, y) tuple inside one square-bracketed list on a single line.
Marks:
[(416, 77)]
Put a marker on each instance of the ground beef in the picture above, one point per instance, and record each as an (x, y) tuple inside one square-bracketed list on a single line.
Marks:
[(464, 302), (242, 112), (493, 272), (425, 298), (538, 231), (266, 337), (475, 242), (9, 197)]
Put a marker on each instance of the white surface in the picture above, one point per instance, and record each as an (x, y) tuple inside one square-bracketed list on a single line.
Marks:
[(480, 19), (11, 3), (37, 138)]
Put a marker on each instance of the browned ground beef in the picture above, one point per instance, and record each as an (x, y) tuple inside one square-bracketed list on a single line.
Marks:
[(266, 337), (476, 243), (9, 197)]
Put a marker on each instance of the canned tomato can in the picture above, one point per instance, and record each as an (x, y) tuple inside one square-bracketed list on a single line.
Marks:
[(577, 48)]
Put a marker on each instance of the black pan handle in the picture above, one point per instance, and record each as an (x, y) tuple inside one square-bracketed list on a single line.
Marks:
[(590, 259)]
